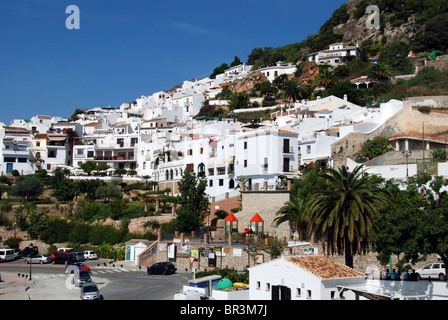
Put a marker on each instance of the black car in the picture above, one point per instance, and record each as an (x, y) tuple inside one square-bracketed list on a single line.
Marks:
[(63, 259), (162, 268), (29, 251)]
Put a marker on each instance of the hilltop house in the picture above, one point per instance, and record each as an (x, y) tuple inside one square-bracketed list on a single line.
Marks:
[(336, 54)]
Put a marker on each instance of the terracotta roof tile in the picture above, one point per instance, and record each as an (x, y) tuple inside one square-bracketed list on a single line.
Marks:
[(324, 268)]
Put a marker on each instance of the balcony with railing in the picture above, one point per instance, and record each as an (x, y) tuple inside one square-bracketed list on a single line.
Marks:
[(288, 149)]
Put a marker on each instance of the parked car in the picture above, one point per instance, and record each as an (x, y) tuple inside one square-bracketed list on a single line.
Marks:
[(164, 268), (434, 270), (90, 255), (39, 258), (81, 266), (90, 291), (66, 250), (190, 295), (54, 254), (81, 278), (6, 254), (62, 259), (29, 251), (78, 255)]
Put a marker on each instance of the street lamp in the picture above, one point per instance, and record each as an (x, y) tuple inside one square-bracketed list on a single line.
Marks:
[(330, 159), (31, 250), (407, 154)]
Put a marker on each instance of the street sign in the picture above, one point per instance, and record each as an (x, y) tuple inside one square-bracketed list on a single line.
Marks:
[(191, 260)]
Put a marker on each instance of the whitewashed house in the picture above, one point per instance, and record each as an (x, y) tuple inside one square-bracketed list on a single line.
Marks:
[(307, 277), (264, 155), (336, 54), (280, 68), (15, 152)]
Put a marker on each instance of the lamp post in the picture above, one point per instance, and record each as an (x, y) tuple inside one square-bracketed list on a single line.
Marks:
[(407, 154), (30, 255), (330, 164)]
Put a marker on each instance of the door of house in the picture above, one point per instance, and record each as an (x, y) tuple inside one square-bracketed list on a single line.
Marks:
[(8, 167), (280, 293)]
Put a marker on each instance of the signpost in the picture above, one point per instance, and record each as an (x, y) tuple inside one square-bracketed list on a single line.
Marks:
[(192, 276)]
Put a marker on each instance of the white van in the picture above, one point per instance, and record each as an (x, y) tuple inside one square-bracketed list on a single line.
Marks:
[(6, 254)]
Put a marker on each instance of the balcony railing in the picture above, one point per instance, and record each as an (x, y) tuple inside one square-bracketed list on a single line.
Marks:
[(287, 149), (114, 158)]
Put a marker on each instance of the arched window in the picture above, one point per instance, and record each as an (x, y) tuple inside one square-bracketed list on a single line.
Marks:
[(171, 174), (231, 184), (167, 175), (201, 170)]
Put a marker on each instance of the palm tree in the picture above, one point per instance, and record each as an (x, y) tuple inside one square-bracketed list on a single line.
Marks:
[(292, 212), (379, 71), (326, 78), (343, 210), (291, 89)]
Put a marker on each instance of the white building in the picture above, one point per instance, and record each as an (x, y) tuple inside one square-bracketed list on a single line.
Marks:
[(264, 155), (15, 152), (308, 277), (280, 68), (336, 54)]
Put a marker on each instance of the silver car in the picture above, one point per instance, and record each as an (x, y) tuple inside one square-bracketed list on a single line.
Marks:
[(90, 291), (39, 258), (81, 278)]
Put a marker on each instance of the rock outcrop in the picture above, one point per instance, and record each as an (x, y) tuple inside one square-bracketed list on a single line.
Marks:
[(247, 83)]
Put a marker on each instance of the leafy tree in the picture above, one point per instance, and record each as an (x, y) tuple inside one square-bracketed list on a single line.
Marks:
[(56, 230), (193, 202), (396, 56), (89, 166), (266, 88), (105, 234), (108, 191), (236, 62), (28, 187), (65, 190), (280, 81), (375, 147), (434, 36), (415, 224), (438, 154), (219, 70), (238, 101), (342, 211)]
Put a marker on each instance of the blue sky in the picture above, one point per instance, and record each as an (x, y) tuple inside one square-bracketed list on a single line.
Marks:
[(126, 49)]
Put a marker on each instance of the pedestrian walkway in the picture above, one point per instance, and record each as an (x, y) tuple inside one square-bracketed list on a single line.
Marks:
[(13, 287)]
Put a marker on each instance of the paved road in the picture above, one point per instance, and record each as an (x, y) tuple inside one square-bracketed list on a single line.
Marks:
[(116, 282)]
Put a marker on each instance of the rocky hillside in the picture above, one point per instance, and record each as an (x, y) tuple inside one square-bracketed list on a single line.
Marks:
[(355, 29)]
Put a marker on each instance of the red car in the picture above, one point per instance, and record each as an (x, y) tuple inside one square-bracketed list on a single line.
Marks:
[(81, 266)]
